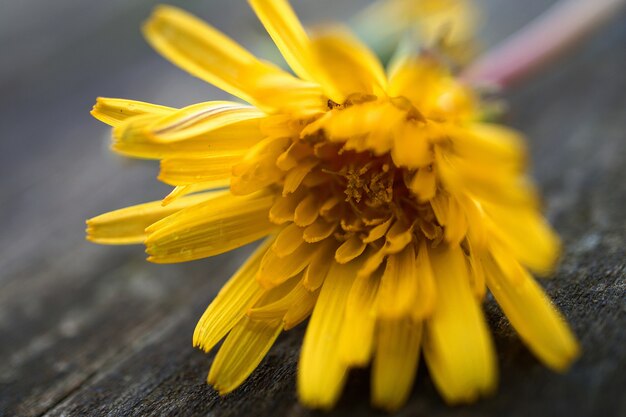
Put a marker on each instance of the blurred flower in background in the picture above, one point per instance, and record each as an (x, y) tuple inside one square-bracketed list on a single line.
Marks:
[(388, 204), (446, 25)]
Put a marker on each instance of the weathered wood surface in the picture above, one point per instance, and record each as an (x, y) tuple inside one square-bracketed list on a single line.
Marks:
[(92, 330)]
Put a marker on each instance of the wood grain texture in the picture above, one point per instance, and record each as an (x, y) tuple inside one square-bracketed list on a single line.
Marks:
[(93, 330)]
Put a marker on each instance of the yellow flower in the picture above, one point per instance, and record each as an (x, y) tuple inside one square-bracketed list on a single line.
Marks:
[(388, 206)]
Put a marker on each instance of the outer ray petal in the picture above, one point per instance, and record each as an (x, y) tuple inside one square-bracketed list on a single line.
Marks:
[(275, 270), (230, 305), (300, 310), (484, 143), (317, 269), (258, 169), (319, 230), (127, 225), (356, 340), (225, 223), (412, 71), (132, 138), (242, 351), (308, 210), (208, 54), (439, 97), (287, 32), (349, 250), (199, 119), (346, 66), (412, 145), (395, 364), (288, 240), (426, 289), (399, 235), (527, 235), (490, 183), (399, 285), (291, 302), (457, 347), (284, 208), (188, 171), (183, 190), (278, 308), (532, 314), (378, 232), (322, 373), (113, 111)]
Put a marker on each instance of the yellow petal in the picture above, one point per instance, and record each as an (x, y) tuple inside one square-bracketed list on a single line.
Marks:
[(208, 54), (293, 155), (531, 313), (377, 232), (276, 307), (349, 250), (440, 96), (275, 270), (281, 125), (242, 351), (319, 230), (456, 224), (399, 284), (277, 292), (132, 138), (457, 347), (478, 271), (330, 205), (201, 118), (363, 126), (526, 235), (476, 230), (208, 229), (356, 340), (395, 363), (346, 66), (411, 146), (424, 183), (187, 171), (412, 71), (441, 207), (182, 190), (300, 310), (290, 301), (287, 32), (491, 183), (288, 240), (318, 267), (127, 225), (231, 303), (285, 206), (292, 308), (308, 209), (484, 143), (373, 261), (258, 168), (399, 235), (294, 178), (113, 111), (321, 372), (426, 288)]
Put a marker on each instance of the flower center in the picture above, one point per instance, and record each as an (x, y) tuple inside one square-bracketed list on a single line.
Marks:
[(371, 190)]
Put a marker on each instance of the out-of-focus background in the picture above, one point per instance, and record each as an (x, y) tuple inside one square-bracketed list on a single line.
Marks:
[(94, 330)]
